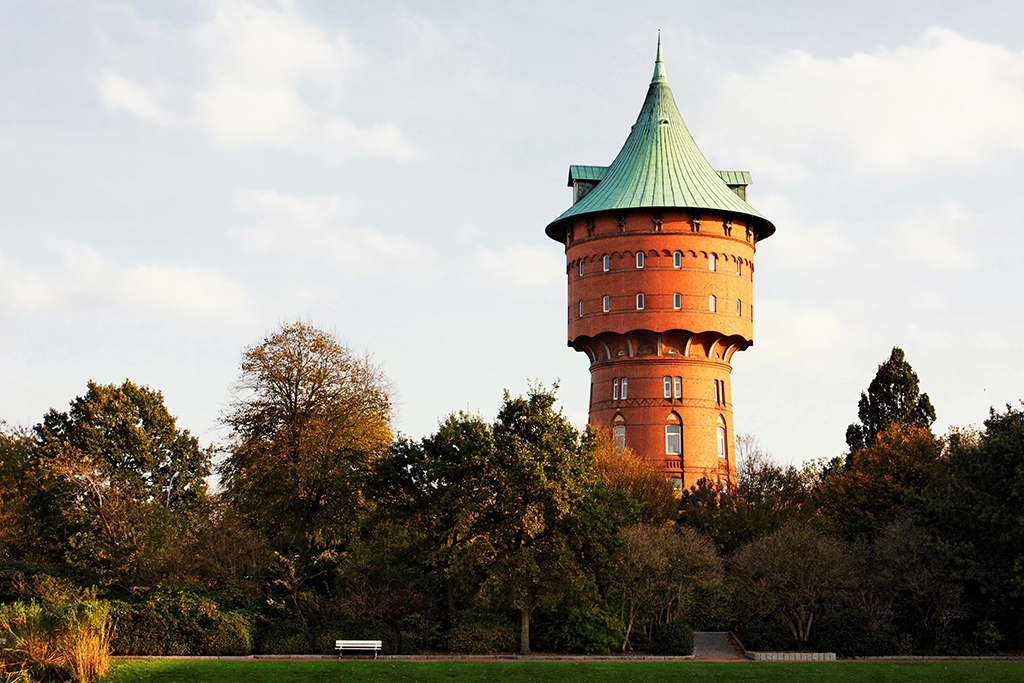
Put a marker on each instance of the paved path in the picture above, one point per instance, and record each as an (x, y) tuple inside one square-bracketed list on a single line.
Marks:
[(715, 646)]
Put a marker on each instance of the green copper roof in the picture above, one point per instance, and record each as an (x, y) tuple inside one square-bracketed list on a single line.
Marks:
[(658, 167)]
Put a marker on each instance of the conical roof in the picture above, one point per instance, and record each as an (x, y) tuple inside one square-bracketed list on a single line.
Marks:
[(660, 166)]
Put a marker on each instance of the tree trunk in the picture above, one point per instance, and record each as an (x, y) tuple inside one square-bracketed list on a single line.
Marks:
[(524, 631)]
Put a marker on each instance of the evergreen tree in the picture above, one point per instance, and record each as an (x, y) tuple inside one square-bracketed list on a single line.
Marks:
[(893, 398)]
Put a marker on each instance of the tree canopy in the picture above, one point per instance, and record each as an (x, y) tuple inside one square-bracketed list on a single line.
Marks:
[(893, 397)]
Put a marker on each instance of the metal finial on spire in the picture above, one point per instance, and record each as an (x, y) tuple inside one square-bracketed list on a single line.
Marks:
[(659, 66)]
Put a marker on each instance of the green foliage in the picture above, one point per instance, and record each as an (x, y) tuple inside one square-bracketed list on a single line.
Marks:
[(308, 418), (487, 633), (169, 621), (585, 628), (709, 607), (674, 638), (893, 398), (847, 631)]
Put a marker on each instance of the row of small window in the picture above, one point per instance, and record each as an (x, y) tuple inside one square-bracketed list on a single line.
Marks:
[(677, 262), (673, 439), (673, 389), (677, 304)]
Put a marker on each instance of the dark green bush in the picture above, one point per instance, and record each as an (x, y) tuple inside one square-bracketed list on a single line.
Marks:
[(356, 628), (584, 629), (710, 608), (847, 632), (483, 634), (284, 637), (179, 622), (766, 636), (673, 638)]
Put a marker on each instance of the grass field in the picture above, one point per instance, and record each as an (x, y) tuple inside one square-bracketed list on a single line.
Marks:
[(192, 671)]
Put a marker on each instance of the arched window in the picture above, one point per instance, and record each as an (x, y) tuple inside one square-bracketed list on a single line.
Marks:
[(677, 301), (615, 390), (606, 304), (711, 303), (581, 267), (677, 259), (668, 387), (739, 269), (739, 307), (712, 261), (673, 436), (619, 432), (639, 259), (581, 308), (607, 263), (679, 387), (721, 442), (639, 302), (623, 387)]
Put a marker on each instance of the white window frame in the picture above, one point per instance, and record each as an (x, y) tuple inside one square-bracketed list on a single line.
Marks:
[(581, 308), (581, 267), (677, 301), (639, 259), (606, 263), (622, 383), (673, 439), (668, 387), (639, 302), (677, 260), (679, 387), (739, 308), (712, 303), (739, 269), (619, 435), (615, 389), (712, 261), (606, 304), (721, 443)]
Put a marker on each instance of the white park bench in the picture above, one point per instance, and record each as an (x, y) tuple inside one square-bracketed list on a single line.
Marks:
[(342, 645)]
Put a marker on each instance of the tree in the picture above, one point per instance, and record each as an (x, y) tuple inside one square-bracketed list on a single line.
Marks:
[(119, 479), (878, 483), (658, 567), (893, 397), (620, 470), (308, 417), (19, 480), (792, 575)]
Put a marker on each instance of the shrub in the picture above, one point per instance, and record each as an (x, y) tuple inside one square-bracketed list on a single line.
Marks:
[(179, 622), (847, 632), (483, 634), (766, 636), (585, 629), (673, 638), (71, 640), (710, 608)]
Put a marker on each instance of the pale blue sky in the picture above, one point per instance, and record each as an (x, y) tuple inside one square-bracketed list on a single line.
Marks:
[(176, 178)]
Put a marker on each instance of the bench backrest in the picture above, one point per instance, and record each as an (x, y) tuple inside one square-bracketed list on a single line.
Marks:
[(358, 644)]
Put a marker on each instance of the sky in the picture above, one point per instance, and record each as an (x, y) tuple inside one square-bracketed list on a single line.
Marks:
[(178, 179)]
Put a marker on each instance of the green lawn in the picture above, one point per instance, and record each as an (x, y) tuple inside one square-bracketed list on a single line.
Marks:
[(186, 671)]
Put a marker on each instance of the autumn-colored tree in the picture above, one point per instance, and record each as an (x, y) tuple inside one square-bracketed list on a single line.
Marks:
[(308, 417), (893, 397), (878, 482), (621, 470)]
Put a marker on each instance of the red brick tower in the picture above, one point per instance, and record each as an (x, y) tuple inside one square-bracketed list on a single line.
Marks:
[(660, 254)]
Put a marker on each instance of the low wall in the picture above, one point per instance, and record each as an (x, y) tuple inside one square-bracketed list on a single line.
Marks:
[(792, 656)]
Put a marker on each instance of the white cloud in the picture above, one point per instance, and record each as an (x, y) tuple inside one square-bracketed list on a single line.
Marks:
[(312, 227), (800, 245), (928, 237), (813, 340), (86, 279), (269, 78), (946, 101), (519, 266), (117, 92)]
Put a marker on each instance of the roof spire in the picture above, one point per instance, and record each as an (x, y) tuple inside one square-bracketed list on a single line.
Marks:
[(659, 66)]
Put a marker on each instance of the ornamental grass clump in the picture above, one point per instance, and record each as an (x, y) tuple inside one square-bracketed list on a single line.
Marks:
[(70, 640)]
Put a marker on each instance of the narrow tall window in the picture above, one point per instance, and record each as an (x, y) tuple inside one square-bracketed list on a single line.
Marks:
[(639, 259), (623, 387), (673, 439), (712, 261), (739, 268), (739, 307), (619, 436), (639, 302), (721, 442), (677, 259), (668, 387), (720, 392), (606, 304), (679, 387), (581, 267), (615, 390), (711, 303), (607, 263), (581, 308), (677, 301)]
